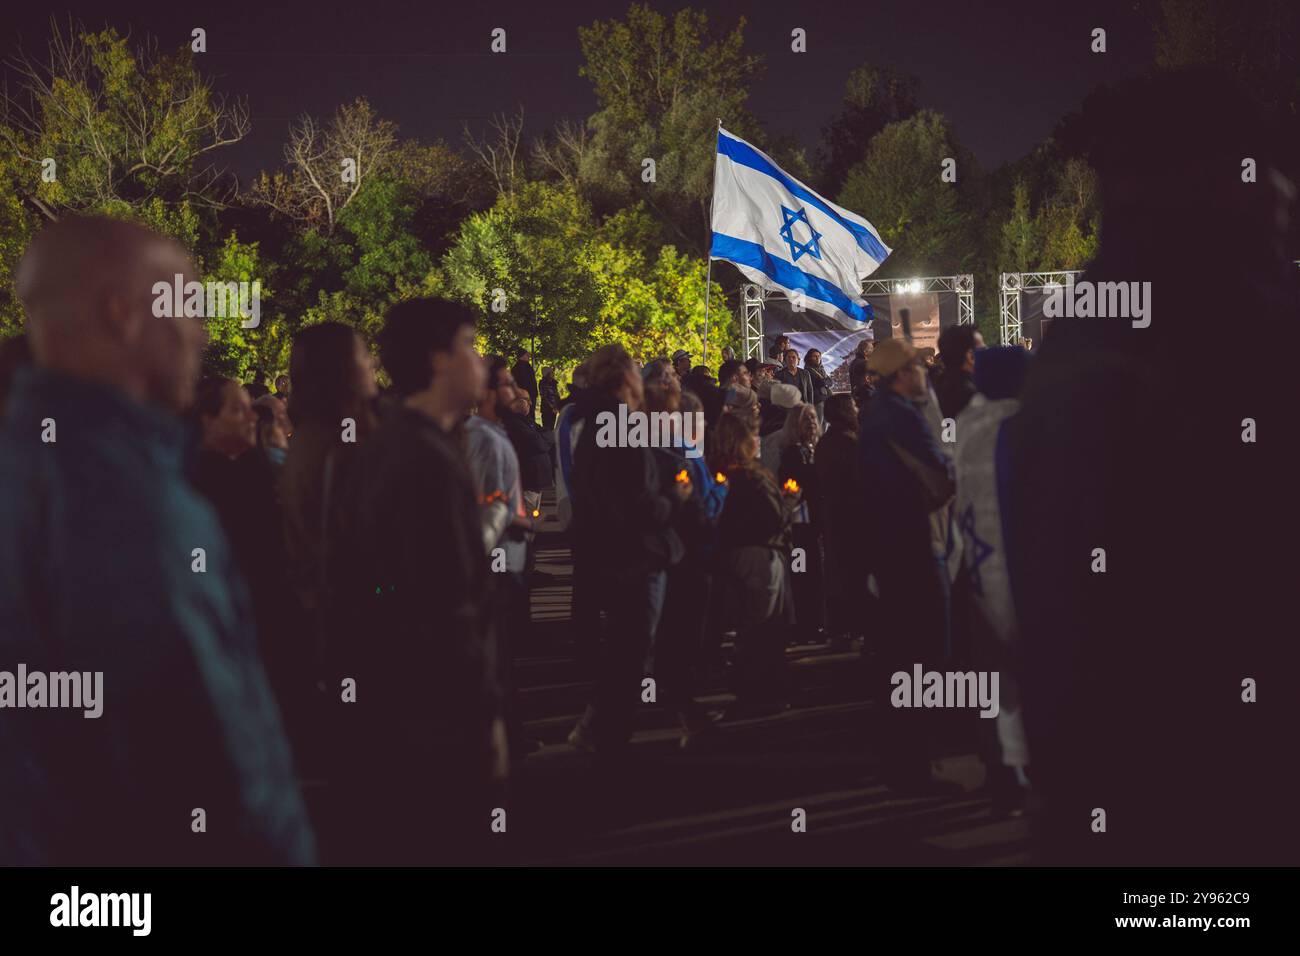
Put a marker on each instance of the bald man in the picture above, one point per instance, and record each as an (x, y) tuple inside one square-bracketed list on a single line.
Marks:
[(113, 568)]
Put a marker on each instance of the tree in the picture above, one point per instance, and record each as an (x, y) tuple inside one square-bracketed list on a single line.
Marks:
[(565, 154), (233, 350), (124, 128), (16, 227), (874, 97), (498, 153), (523, 262), (327, 165), (1070, 220), (548, 277), (1259, 49), (928, 223), (1019, 237), (661, 87)]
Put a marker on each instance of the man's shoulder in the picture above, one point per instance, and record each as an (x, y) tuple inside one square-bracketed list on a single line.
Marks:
[(487, 438)]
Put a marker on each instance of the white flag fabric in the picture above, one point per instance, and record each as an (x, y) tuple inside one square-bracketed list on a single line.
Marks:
[(784, 236)]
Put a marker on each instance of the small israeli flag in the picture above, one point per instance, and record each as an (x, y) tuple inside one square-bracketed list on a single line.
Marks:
[(784, 236)]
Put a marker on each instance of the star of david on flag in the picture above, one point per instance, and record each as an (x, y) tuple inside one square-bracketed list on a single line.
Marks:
[(782, 235), (979, 549), (797, 248)]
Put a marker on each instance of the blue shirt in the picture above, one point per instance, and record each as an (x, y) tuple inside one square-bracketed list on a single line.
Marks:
[(99, 572), (896, 506)]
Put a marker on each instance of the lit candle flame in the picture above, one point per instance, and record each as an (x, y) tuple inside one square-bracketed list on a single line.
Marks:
[(683, 478), (791, 486), (720, 478)]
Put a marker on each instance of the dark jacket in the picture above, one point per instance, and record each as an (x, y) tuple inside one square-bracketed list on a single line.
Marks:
[(410, 591), (622, 517), (755, 513), (955, 391), (797, 463), (532, 446), (526, 379), (898, 516), (696, 519), (549, 391), (243, 492), (857, 373), (800, 379), (771, 418), (843, 505), (821, 383), (98, 531), (316, 457)]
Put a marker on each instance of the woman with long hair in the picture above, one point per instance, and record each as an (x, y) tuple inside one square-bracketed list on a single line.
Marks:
[(843, 509), (332, 383), (821, 380), (331, 388), (237, 478), (798, 445), (753, 550)]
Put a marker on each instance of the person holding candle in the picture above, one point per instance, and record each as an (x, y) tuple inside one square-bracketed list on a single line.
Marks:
[(798, 443), (623, 536), (753, 547)]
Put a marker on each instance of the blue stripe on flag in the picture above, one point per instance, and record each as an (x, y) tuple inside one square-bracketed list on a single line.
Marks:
[(744, 154), (751, 254)]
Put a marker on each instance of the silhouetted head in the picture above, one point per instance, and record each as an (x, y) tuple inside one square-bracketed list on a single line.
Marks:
[(87, 285)]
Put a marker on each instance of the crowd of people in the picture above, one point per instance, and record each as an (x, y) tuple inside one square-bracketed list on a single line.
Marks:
[(329, 582), (340, 572)]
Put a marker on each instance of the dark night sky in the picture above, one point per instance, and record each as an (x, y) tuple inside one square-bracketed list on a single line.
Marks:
[(1002, 73)]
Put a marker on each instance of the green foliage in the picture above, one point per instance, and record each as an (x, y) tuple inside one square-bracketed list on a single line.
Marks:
[(16, 229), (1019, 236), (874, 97), (126, 127), (233, 350), (525, 263), (567, 286), (927, 222), (662, 85), (599, 255)]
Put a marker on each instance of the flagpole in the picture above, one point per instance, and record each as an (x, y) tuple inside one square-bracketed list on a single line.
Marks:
[(708, 281)]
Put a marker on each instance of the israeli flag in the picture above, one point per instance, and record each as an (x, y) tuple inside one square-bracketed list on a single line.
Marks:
[(784, 236)]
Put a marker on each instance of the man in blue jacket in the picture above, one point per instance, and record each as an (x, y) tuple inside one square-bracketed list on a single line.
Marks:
[(905, 476), (111, 564)]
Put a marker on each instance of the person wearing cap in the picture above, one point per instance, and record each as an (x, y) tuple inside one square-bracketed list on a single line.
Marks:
[(905, 476), (682, 363)]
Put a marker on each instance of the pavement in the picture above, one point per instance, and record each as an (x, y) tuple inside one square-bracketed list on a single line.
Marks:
[(735, 797)]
